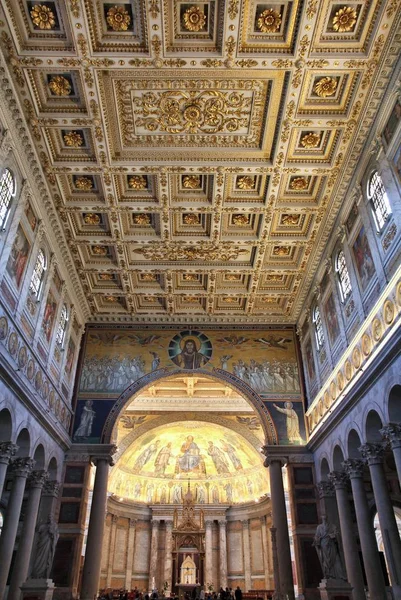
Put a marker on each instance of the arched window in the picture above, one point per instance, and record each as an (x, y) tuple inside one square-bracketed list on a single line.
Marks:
[(7, 191), (62, 325), (317, 321), (344, 281), (378, 196), (38, 274)]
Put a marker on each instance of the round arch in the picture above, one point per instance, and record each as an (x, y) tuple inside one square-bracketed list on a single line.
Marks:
[(138, 387), (6, 424)]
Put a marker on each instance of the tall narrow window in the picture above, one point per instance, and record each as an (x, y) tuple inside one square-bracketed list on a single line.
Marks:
[(62, 325), (378, 197), (7, 191), (38, 274), (344, 281), (317, 321)]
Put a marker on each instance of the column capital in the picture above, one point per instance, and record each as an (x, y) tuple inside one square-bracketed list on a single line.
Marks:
[(21, 467), (107, 456), (169, 525), (114, 518), (222, 523), (155, 524), (51, 488), (392, 434), (339, 479), (373, 453), (37, 479), (354, 468), (270, 458), (7, 451), (325, 489), (209, 523), (245, 523)]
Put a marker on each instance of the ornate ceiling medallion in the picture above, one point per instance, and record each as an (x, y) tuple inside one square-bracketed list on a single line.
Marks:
[(229, 299), (73, 139), (202, 251), (118, 18), (148, 277), (191, 182), (100, 250), (92, 219), (190, 277), (194, 19), (344, 20), (137, 182), (290, 219), (281, 250), (191, 299), (299, 183), (84, 183), (43, 17), (325, 87), (269, 21), (268, 300), (246, 183), (112, 299), (241, 220), (141, 219), (106, 276), (60, 86), (232, 277), (274, 277), (310, 140), (191, 219)]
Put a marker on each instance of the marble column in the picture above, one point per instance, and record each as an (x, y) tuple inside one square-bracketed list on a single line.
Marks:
[(281, 525), (93, 555), (21, 468), (328, 503), (154, 548), (48, 502), (392, 435), (7, 451), (37, 480), (168, 561), (208, 553), (223, 552), (112, 549), (374, 455), (350, 548), (265, 551), (130, 555), (371, 559), (247, 554), (276, 571)]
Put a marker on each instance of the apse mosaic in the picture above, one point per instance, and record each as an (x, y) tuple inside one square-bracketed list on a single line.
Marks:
[(222, 466)]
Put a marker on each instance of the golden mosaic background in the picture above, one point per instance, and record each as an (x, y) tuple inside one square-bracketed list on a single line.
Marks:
[(197, 154)]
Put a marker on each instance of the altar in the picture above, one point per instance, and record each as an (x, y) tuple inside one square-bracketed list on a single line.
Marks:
[(188, 591)]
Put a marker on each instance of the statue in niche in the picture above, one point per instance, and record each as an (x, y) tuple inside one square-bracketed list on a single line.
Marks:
[(326, 542), (47, 536)]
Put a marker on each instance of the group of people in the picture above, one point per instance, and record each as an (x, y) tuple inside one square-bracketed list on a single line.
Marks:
[(197, 594), (268, 376)]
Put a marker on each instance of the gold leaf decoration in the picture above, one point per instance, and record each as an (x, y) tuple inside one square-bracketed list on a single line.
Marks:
[(191, 219), (137, 182), (73, 139), (310, 140), (191, 181), (299, 183), (190, 277), (118, 18), (91, 219), (43, 17), (99, 250), (281, 250), (194, 19), (325, 87), (290, 219), (84, 183), (202, 251), (269, 21), (106, 276), (148, 277), (60, 86), (141, 219), (241, 220), (232, 277), (111, 299), (246, 182), (344, 20)]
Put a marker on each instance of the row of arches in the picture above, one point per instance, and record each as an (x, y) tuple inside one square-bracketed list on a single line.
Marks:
[(27, 445), (367, 431)]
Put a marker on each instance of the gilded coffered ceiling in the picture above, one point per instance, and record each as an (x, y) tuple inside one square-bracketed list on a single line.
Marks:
[(198, 153)]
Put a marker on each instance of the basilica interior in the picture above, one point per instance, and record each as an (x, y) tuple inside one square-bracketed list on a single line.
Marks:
[(200, 299)]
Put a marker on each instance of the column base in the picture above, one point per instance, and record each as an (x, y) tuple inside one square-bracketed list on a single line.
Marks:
[(335, 589), (37, 589)]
